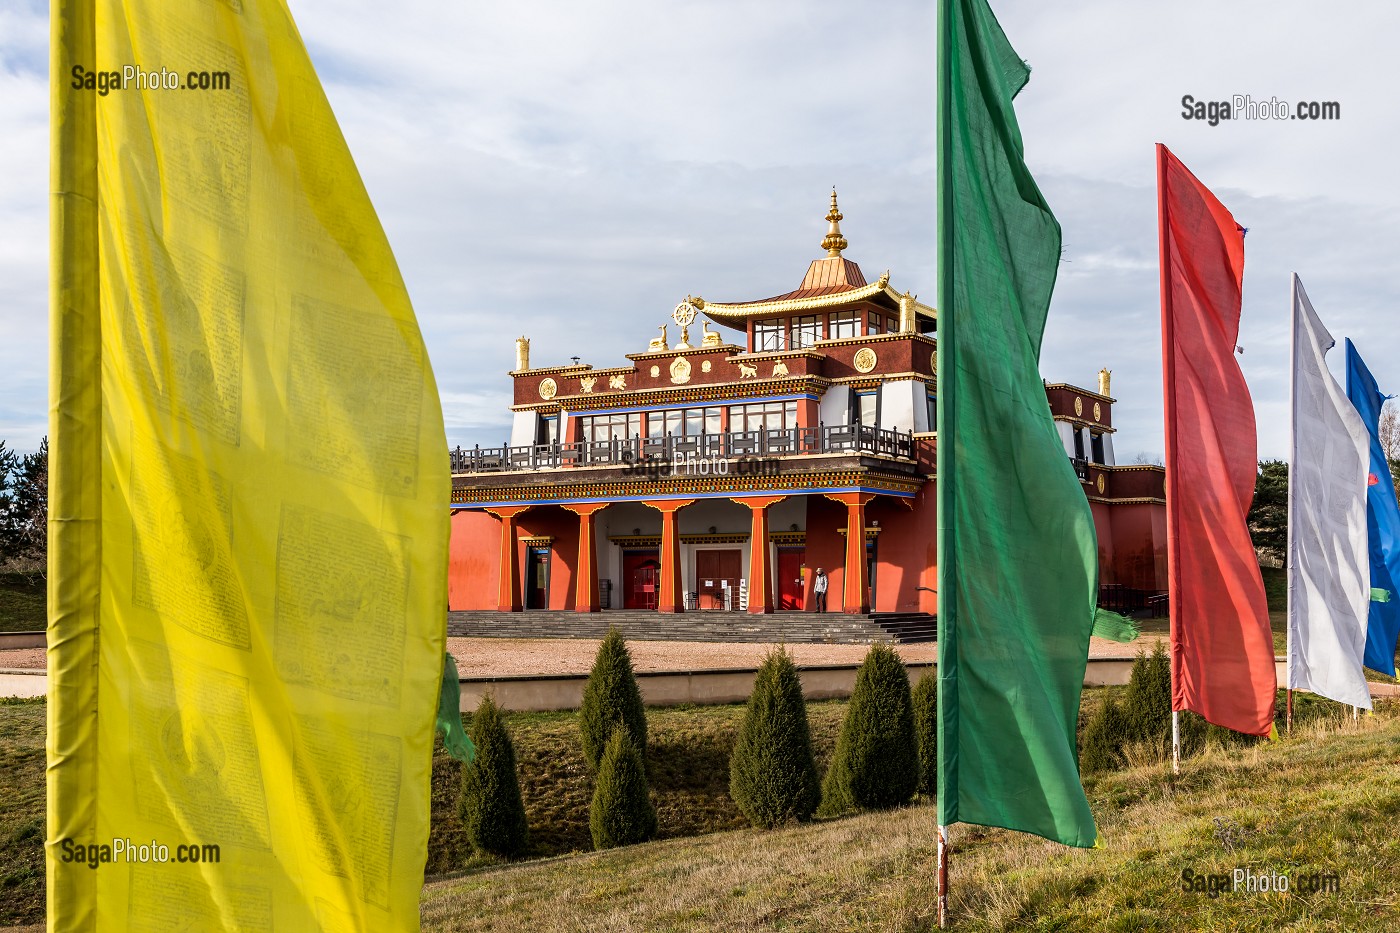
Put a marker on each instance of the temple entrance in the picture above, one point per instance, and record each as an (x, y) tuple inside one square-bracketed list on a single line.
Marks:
[(790, 578), (717, 573), (537, 578), (641, 572)]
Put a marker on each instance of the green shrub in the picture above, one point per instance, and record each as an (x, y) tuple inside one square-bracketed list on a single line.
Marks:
[(926, 731), (876, 764), (1102, 746), (490, 806), (1147, 704), (622, 812), (772, 775), (610, 698)]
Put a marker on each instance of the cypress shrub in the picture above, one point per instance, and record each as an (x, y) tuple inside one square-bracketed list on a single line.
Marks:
[(1102, 747), (1148, 701), (876, 763), (621, 813), (490, 806), (772, 775), (926, 732), (610, 698)]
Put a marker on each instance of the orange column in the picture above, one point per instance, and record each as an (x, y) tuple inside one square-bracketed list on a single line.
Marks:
[(669, 599), (760, 578), (508, 594), (586, 570), (856, 598)]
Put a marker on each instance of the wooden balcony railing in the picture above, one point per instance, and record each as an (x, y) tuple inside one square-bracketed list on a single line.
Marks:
[(788, 442)]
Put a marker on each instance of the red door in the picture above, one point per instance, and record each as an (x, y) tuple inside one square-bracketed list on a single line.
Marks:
[(639, 579), (790, 560)]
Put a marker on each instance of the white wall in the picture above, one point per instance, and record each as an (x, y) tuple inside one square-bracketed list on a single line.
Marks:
[(835, 405), (897, 409), (523, 428)]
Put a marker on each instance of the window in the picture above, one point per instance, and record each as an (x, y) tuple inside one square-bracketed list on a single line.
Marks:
[(845, 324), (806, 331), (606, 427), (683, 421), (770, 335), (547, 431), (1096, 448), (891, 325), (1078, 444), (763, 416), (874, 323), (865, 407), (932, 412)]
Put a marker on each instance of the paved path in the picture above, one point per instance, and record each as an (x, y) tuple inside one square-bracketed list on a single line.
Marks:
[(500, 657)]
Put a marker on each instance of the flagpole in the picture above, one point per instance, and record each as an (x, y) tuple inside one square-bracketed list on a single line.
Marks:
[(942, 876), (75, 468), (1169, 442), (945, 387), (1288, 645)]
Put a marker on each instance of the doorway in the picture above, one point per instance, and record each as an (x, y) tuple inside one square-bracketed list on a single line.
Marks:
[(537, 578), (717, 573), (641, 571), (791, 577)]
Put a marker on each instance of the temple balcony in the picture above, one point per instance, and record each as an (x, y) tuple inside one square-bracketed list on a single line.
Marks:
[(637, 451)]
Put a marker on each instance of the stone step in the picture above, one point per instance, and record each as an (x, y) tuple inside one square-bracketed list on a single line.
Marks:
[(698, 626)]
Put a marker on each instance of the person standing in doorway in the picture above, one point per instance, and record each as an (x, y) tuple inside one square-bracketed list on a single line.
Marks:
[(819, 589)]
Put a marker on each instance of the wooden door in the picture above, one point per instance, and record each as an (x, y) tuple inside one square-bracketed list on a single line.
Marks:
[(790, 560), (714, 569)]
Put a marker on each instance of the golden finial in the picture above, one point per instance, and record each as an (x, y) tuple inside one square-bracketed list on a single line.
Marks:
[(834, 242)]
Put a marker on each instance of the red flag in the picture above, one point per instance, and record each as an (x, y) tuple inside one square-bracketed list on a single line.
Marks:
[(1222, 647)]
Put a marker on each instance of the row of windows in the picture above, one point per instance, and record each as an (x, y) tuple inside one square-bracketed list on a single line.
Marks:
[(759, 416), (797, 333)]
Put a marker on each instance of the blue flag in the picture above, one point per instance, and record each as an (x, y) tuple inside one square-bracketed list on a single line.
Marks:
[(1382, 524)]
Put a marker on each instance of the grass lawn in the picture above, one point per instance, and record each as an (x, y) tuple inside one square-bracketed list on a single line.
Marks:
[(21, 811), (1325, 800), (23, 603)]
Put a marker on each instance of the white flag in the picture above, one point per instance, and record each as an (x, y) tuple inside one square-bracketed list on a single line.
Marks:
[(1329, 572)]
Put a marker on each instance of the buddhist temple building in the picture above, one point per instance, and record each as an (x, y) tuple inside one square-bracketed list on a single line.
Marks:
[(746, 445)]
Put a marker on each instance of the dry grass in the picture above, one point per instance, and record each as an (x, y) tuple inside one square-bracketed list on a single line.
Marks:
[(1327, 799)]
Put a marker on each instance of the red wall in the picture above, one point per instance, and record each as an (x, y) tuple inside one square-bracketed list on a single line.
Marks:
[(474, 561), (906, 552), (1140, 545)]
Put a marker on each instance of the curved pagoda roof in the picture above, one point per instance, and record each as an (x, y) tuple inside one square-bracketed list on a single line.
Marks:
[(831, 282)]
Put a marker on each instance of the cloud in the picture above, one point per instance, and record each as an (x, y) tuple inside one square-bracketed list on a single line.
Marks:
[(571, 171)]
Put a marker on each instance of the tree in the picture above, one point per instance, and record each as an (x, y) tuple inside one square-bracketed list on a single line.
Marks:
[(1147, 704), (610, 697), (490, 806), (1104, 736), (24, 507), (622, 813), (876, 764), (926, 732), (772, 774), (1388, 429), (1268, 516)]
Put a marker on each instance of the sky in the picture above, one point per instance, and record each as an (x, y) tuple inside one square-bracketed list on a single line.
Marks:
[(570, 172)]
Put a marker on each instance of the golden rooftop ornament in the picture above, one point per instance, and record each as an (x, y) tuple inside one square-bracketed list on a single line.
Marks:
[(834, 242)]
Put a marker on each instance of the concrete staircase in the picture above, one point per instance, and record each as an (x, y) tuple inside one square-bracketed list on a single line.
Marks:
[(805, 627)]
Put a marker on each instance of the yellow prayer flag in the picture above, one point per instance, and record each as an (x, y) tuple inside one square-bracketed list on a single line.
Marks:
[(249, 488)]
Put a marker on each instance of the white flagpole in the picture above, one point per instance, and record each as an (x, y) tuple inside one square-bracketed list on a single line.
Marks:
[(1176, 742), (942, 876)]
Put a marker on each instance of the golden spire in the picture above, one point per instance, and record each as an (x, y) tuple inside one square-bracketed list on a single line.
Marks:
[(834, 242)]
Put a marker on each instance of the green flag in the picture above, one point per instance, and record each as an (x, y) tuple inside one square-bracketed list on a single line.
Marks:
[(1018, 561)]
